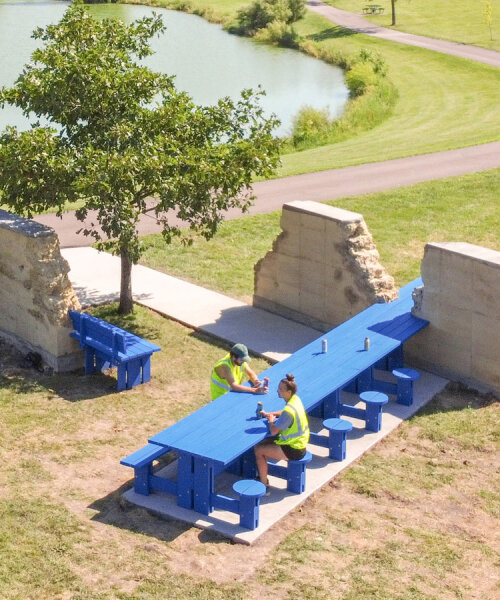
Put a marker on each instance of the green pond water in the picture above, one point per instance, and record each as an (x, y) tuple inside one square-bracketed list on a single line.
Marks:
[(208, 63)]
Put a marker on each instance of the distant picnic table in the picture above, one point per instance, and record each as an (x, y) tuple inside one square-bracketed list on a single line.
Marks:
[(373, 9)]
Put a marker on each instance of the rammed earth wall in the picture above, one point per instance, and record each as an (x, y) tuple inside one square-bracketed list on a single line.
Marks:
[(323, 268), (35, 292), (461, 299)]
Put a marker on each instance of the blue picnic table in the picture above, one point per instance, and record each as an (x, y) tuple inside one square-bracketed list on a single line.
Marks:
[(221, 435)]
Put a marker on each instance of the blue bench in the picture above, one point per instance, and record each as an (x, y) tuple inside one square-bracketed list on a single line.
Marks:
[(142, 463), (107, 346)]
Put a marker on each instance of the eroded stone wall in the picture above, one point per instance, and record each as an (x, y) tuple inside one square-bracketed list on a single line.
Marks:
[(35, 292), (323, 268), (461, 300)]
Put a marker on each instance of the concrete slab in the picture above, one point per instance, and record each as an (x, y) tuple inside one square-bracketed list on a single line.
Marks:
[(263, 332), (320, 471)]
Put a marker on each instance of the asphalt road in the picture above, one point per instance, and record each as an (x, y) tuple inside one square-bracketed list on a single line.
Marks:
[(322, 186)]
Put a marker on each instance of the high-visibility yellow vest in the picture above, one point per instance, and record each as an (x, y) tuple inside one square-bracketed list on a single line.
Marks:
[(219, 386), (297, 435)]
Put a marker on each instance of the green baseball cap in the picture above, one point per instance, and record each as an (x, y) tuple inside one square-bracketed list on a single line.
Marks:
[(241, 351)]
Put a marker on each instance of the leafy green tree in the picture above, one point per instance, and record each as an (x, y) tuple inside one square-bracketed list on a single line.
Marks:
[(124, 141)]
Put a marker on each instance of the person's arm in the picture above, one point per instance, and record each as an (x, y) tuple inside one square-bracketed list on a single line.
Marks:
[(224, 372), (278, 421), (256, 382)]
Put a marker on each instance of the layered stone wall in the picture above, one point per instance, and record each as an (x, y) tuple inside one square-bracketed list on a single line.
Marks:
[(35, 292), (461, 299), (323, 268)]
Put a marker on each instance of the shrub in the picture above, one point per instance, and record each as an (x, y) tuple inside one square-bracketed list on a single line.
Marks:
[(310, 126), (262, 13), (279, 33), (360, 78)]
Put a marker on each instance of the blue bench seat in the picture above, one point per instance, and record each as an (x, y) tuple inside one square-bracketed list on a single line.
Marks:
[(107, 345), (142, 463)]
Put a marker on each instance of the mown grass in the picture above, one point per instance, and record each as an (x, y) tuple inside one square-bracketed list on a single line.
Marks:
[(401, 221), (444, 102), (392, 527), (462, 21)]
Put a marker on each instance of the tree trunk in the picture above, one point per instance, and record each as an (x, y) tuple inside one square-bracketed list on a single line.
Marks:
[(393, 7), (126, 302)]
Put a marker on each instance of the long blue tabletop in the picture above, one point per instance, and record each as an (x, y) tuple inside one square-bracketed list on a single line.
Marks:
[(227, 427)]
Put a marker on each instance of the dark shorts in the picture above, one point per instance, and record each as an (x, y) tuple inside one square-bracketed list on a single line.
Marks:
[(292, 453)]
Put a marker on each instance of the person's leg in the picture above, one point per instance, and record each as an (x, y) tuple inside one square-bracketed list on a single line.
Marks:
[(263, 451)]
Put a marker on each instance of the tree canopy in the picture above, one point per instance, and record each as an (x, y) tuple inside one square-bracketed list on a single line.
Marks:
[(124, 141)]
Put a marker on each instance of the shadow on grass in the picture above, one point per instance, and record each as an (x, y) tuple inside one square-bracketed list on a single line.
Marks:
[(76, 387), (456, 397), (114, 510), (330, 33)]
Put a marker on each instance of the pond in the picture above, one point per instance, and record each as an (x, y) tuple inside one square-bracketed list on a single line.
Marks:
[(208, 62)]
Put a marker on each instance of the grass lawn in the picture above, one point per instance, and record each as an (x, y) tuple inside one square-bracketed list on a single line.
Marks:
[(414, 519), (444, 102), (463, 21), (401, 221)]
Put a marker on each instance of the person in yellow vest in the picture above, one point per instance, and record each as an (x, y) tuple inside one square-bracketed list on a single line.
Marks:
[(290, 426), (229, 372)]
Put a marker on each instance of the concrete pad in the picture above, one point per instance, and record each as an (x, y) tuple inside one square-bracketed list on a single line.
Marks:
[(264, 333), (319, 472)]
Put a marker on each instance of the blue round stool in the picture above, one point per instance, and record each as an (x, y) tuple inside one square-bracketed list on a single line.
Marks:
[(338, 429), (250, 492), (374, 402), (404, 386)]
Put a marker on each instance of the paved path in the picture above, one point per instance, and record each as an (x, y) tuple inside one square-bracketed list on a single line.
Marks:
[(213, 313), (324, 185), (357, 23)]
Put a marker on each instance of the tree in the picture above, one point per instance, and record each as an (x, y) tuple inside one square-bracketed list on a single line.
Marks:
[(124, 141), (393, 9)]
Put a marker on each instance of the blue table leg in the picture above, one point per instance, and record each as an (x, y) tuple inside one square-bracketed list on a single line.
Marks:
[(203, 485), (365, 379), (249, 465), (331, 405), (185, 470), (395, 360)]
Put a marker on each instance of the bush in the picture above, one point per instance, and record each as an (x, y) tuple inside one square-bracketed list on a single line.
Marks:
[(360, 78), (279, 33), (254, 17), (310, 126), (262, 13)]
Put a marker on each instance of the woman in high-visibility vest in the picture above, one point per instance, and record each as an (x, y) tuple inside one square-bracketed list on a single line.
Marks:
[(229, 372), (291, 427)]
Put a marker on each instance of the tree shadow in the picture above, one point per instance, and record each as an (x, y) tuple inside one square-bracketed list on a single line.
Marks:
[(330, 33)]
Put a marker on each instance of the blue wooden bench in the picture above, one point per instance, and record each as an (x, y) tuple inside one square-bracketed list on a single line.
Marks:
[(107, 346), (142, 463)]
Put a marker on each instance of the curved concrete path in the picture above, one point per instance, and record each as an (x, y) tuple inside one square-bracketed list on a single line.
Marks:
[(323, 186), (358, 24)]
